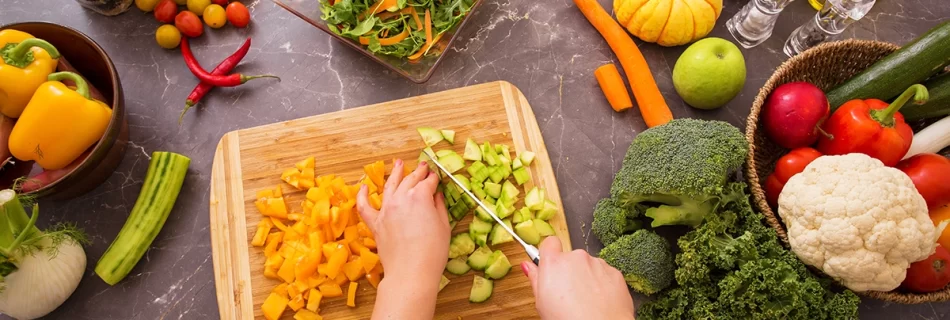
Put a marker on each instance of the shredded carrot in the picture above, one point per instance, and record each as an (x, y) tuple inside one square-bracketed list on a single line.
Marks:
[(415, 16), (425, 48), (428, 27), (610, 82), (386, 15), (379, 6), (652, 106)]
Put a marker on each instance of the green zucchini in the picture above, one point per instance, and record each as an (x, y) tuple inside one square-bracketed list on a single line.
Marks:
[(166, 173), (937, 105), (887, 78)]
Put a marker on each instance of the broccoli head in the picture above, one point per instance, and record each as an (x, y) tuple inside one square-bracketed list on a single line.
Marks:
[(612, 221), (643, 258), (682, 166)]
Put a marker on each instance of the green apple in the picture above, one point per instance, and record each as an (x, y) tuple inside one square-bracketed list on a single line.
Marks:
[(709, 73)]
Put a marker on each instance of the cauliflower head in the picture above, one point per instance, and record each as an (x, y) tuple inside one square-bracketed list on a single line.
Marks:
[(857, 220)]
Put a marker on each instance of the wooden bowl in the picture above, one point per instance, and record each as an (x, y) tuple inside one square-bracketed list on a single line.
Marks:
[(92, 62), (825, 66)]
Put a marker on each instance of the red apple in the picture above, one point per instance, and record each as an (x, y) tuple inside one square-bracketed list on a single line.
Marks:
[(792, 114)]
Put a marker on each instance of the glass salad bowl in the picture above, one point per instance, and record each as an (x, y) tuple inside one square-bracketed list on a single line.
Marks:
[(417, 71)]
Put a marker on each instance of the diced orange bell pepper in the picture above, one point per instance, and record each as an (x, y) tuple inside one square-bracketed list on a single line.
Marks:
[(369, 259), (378, 268), (295, 216), (302, 286), (291, 176), (363, 229), (304, 314), (351, 191), (275, 207), (300, 227), (309, 162), (369, 184), (330, 290), (356, 247), (338, 222), (336, 261), (316, 279), (322, 269), (279, 224), (313, 303), (271, 274), (376, 201), (273, 240), (341, 279), (321, 212), (287, 269), (293, 291), (263, 228), (271, 265), (305, 180), (308, 265), (274, 306), (316, 194), (296, 303), (324, 181), (351, 234), (376, 172), (374, 278), (281, 289), (328, 249), (354, 270), (369, 243), (351, 295), (337, 184), (266, 193)]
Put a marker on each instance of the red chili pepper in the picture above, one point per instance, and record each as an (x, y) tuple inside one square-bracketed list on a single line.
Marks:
[(871, 127), (792, 163), (231, 80), (223, 68)]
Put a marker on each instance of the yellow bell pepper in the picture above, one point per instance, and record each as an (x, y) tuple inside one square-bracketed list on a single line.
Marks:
[(25, 64), (59, 124), (274, 306)]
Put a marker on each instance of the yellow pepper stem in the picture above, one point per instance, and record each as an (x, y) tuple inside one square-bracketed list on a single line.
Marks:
[(20, 56), (82, 87)]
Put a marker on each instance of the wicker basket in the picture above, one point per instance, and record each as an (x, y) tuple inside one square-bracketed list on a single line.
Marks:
[(826, 66)]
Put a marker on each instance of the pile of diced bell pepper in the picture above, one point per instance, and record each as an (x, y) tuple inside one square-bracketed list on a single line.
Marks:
[(321, 248)]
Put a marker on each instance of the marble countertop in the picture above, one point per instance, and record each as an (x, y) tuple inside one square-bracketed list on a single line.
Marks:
[(546, 48)]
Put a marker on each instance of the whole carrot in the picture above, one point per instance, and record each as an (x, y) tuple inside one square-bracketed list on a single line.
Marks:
[(612, 84), (230, 80), (223, 68), (652, 106)]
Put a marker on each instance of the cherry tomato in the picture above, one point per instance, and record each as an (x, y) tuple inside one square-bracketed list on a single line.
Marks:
[(146, 5), (165, 11), (787, 166), (238, 14), (929, 171), (930, 274), (168, 36), (189, 24), (198, 6), (222, 3), (215, 16)]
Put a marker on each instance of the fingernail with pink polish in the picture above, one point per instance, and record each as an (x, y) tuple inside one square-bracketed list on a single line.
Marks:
[(422, 164), (524, 268), (398, 162)]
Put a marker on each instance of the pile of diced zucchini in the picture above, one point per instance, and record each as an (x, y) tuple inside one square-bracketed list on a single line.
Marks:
[(488, 176)]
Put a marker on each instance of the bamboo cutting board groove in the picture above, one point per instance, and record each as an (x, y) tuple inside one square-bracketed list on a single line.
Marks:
[(252, 159)]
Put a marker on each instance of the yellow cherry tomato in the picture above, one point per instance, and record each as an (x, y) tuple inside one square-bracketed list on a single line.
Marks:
[(168, 36), (215, 16), (146, 5), (198, 6)]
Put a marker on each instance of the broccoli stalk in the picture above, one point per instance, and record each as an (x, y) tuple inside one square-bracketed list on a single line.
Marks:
[(643, 258)]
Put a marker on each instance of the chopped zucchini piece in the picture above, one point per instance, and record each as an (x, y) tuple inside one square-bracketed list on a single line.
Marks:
[(448, 135), (479, 191), (516, 164), (429, 135), (499, 266), (481, 214), (480, 259), (522, 215), (481, 239), (452, 162), (534, 200), (480, 226), (444, 282), (457, 266), (496, 174), (488, 154), (521, 175), (509, 191), (548, 210), (527, 232), (544, 228), (527, 157), (464, 180), (502, 210), (499, 235), (493, 189), (472, 151), (461, 245), (481, 289)]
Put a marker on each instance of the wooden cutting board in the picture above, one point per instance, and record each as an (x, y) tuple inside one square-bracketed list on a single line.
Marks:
[(252, 159)]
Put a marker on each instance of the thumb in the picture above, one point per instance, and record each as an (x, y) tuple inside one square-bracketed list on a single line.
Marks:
[(550, 247), (367, 212), (531, 271)]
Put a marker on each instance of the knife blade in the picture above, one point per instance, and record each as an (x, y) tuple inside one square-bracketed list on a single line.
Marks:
[(531, 250)]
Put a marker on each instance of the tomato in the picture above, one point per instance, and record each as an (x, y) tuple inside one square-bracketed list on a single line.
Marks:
[(146, 5), (238, 14), (222, 3), (929, 171), (214, 16), (168, 36), (189, 24), (198, 6), (930, 274), (938, 215), (165, 11), (787, 166)]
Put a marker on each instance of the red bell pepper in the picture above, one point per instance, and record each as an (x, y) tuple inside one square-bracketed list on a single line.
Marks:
[(790, 164), (871, 127), (930, 172)]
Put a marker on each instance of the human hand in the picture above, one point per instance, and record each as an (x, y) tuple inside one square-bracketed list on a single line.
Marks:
[(574, 285), (412, 227)]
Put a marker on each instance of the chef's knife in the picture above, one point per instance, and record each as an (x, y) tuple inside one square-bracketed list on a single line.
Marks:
[(532, 251)]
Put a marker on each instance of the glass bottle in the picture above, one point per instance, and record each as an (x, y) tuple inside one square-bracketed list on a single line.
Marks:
[(834, 18), (817, 4), (753, 24)]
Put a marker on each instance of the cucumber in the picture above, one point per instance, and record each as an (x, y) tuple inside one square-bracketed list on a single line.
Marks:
[(457, 266), (452, 162), (480, 259), (516, 164), (479, 190), (522, 215), (442, 283), (481, 289), (504, 153), (496, 174), (468, 201), (938, 104), (424, 156), (887, 78), (499, 266), (448, 135), (480, 226), (488, 154), (526, 158), (478, 171), (481, 239), (502, 210), (464, 181), (544, 228), (461, 245), (472, 151), (443, 153), (458, 211), (482, 215), (429, 135), (509, 191), (166, 173), (528, 232), (548, 210), (521, 175), (489, 200), (534, 200), (499, 235), (493, 189)]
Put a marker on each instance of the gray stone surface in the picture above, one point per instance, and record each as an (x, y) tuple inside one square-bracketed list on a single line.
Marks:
[(546, 48)]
